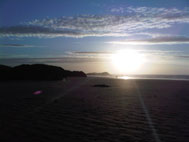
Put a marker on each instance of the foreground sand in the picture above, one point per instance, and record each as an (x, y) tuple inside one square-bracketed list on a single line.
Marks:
[(73, 110)]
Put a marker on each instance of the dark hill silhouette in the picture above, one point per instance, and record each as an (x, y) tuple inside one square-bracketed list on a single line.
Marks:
[(37, 72), (5, 72)]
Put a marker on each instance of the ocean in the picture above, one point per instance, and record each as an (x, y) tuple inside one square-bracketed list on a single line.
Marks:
[(156, 77)]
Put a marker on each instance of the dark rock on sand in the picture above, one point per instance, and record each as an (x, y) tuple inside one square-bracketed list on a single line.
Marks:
[(37, 72)]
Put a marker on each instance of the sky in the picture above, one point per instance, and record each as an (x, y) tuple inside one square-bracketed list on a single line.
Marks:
[(85, 35)]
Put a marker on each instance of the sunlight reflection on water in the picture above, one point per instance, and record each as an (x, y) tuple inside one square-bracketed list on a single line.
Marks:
[(125, 77)]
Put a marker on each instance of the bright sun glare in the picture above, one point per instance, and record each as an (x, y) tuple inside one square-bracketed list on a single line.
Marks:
[(127, 61)]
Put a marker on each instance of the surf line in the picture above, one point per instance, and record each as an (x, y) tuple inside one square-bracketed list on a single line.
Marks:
[(150, 123)]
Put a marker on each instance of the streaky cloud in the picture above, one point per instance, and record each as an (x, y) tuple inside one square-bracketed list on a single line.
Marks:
[(157, 40), (19, 45), (133, 20)]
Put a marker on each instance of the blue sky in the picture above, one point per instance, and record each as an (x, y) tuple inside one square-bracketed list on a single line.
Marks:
[(82, 35)]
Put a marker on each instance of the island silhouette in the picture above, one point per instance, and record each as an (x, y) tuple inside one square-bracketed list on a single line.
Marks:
[(101, 73)]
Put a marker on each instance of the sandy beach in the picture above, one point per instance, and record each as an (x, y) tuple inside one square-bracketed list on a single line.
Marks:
[(75, 110)]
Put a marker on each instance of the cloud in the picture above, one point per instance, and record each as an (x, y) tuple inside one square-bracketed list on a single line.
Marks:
[(89, 55), (18, 45), (156, 40), (97, 53), (36, 31), (149, 54), (39, 31), (81, 57), (131, 21), (12, 45), (117, 10), (60, 60)]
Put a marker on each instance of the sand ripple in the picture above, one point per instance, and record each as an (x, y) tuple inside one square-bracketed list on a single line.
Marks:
[(75, 111)]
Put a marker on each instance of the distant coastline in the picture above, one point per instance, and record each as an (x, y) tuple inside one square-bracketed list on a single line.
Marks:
[(101, 73)]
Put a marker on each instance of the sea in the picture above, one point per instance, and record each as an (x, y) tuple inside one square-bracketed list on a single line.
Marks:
[(156, 77)]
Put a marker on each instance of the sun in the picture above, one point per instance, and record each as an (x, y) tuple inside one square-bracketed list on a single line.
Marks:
[(127, 61)]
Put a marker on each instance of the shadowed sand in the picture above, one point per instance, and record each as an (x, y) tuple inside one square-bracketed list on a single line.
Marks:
[(74, 110)]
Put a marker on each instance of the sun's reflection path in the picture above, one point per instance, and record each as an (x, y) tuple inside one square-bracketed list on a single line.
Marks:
[(125, 77), (151, 125)]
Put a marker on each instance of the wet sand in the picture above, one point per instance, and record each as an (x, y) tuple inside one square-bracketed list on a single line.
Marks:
[(75, 110)]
